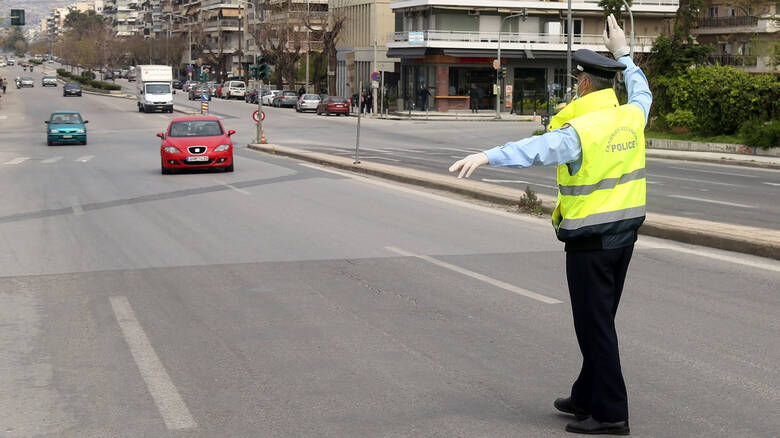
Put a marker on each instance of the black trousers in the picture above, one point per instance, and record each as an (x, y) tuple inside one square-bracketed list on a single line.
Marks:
[(595, 284)]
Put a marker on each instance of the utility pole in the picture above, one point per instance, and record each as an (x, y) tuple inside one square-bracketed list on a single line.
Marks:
[(308, 19), (523, 14)]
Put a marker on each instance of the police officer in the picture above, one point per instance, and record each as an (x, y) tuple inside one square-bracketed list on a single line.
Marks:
[(599, 148)]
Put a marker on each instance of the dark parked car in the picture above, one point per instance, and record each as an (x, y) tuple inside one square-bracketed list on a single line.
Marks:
[(197, 91), (177, 84), (71, 89), (333, 105), (286, 98), (251, 96)]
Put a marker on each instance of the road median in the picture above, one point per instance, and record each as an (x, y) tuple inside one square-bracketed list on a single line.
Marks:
[(739, 238)]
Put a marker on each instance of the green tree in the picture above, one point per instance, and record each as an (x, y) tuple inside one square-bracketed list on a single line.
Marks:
[(613, 7)]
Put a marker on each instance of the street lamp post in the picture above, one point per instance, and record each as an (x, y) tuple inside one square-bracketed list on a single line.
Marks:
[(523, 14)]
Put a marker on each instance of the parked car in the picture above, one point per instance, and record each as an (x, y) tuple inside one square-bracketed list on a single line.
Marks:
[(131, 76), (195, 142), (307, 102), (187, 85), (49, 80), (285, 98), (251, 96), (66, 127), (268, 99), (233, 89), (333, 105), (177, 84), (71, 89), (197, 91)]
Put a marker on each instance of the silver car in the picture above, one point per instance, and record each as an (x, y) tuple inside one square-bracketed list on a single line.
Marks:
[(307, 102), (49, 80), (285, 98), (26, 82)]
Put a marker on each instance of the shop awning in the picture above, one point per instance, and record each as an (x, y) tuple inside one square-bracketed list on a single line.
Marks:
[(406, 52)]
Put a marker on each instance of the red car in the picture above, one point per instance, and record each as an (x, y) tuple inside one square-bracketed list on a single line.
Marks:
[(196, 142), (333, 105)]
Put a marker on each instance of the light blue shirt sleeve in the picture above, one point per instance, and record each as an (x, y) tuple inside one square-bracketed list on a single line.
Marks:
[(562, 146)]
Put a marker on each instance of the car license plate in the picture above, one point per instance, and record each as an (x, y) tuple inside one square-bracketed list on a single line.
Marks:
[(193, 159), (67, 136)]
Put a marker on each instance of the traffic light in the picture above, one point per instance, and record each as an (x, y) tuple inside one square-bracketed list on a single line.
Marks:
[(17, 17), (501, 73), (262, 68)]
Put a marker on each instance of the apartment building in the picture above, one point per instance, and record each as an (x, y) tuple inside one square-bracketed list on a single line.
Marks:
[(55, 21), (447, 45), (362, 44), (741, 36)]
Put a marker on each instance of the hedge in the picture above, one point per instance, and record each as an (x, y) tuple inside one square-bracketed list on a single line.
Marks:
[(759, 134), (86, 80), (721, 98)]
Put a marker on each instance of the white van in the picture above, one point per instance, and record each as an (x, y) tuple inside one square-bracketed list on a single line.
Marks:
[(235, 89)]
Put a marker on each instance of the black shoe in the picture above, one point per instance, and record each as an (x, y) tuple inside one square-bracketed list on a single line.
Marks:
[(589, 426), (567, 407)]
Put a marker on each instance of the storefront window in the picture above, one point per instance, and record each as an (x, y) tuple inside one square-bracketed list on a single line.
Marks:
[(530, 91), (461, 79)]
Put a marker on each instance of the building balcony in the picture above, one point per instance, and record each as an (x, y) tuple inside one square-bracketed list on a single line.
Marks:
[(734, 60), (224, 25), (728, 25), (638, 6), (488, 41)]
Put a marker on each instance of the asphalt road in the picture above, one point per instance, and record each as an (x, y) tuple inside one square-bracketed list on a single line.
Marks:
[(287, 300), (729, 194)]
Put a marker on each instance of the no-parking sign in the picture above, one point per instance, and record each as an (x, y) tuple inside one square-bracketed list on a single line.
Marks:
[(254, 116)]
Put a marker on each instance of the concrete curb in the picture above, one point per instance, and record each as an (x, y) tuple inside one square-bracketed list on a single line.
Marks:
[(736, 160), (749, 240)]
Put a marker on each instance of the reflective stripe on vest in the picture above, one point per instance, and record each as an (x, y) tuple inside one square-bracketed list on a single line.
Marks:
[(607, 194)]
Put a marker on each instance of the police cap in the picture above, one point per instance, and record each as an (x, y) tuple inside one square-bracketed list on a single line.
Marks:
[(591, 62)]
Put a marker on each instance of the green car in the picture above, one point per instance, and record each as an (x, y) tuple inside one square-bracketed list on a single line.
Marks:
[(66, 127)]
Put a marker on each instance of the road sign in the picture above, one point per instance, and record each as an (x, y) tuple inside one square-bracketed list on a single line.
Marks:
[(254, 116), (204, 97), (190, 67), (375, 76)]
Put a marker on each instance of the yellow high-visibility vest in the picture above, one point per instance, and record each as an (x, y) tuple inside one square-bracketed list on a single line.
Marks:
[(607, 194)]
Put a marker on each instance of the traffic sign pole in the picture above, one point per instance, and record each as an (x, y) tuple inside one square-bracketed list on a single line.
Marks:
[(260, 133)]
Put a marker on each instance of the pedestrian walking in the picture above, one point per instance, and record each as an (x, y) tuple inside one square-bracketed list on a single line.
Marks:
[(301, 92), (3, 84), (355, 101), (369, 99), (474, 98), (425, 93), (599, 148)]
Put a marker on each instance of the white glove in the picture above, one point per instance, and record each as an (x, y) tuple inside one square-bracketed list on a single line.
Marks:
[(468, 165), (616, 40)]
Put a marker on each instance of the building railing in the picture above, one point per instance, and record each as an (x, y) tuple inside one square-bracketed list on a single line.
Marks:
[(635, 2), (225, 22), (506, 38), (734, 60), (729, 21)]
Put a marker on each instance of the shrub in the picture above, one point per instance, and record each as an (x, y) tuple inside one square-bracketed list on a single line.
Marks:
[(759, 134), (682, 118), (88, 74), (720, 98), (64, 73)]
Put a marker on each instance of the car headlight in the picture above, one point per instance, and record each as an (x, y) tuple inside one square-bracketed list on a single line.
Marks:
[(222, 147), (79, 131), (53, 131), (171, 150)]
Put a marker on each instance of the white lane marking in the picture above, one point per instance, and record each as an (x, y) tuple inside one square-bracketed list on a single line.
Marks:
[(736, 258), (696, 180), (773, 184), (516, 181), (17, 160), (170, 404), (52, 160), (76, 206), (3, 117), (84, 159), (232, 187), (380, 158), (713, 171), (478, 276), (711, 201)]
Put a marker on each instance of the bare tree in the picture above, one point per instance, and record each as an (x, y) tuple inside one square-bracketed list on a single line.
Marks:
[(209, 48), (328, 36)]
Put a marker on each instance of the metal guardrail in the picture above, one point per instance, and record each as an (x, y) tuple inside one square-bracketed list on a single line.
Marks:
[(509, 38), (729, 21)]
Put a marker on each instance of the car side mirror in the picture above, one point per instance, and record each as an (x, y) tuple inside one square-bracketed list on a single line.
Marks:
[(46, 122), (161, 134), (174, 91), (86, 121), (231, 132)]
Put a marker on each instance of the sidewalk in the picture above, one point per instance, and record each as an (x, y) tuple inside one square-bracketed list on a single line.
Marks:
[(731, 237), (767, 162)]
